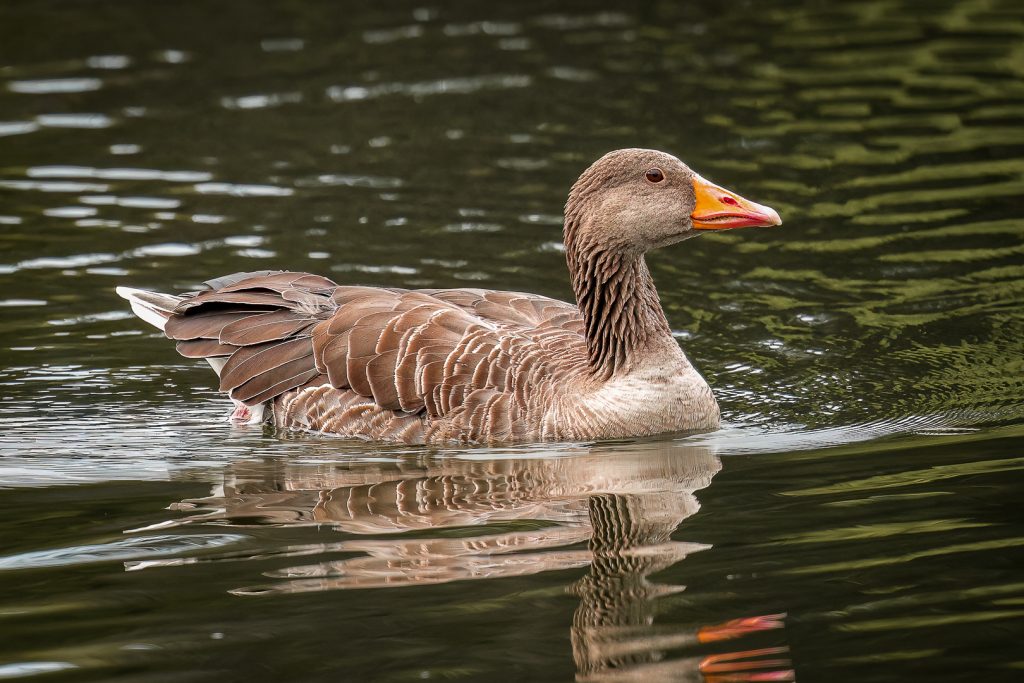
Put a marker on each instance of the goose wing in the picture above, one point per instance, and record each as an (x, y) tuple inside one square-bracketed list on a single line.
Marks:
[(475, 353)]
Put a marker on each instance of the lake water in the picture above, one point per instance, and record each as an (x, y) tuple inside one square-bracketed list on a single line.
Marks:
[(858, 516)]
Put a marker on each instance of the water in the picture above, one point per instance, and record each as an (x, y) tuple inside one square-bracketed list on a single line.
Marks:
[(856, 519)]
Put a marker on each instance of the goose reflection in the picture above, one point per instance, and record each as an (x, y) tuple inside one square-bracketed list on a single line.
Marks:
[(610, 509)]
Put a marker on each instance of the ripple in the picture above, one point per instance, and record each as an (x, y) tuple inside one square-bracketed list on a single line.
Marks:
[(74, 261), (173, 56), (74, 121), (473, 226), (863, 563), (207, 218), (255, 253), (522, 163), (241, 190), (363, 268), (170, 249), (22, 669), (915, 477), (490, 28), (572, 22), (336, 179), (55, 85), (390, 35), (125, 149), (282, 44), (569, 73), (67, 372), (902, 624), (48, 186), (120, 550), (9, 303), (444, 86), (542, 219), (117, 174), (261, 101), (109, 62), (70, 211), (131, 202), (245, 240), (17, 127)]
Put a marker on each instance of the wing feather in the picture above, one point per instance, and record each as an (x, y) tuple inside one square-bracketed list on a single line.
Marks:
[(207, 324), (204, 348), (265, 327), (277, 380), (470, 358), (250, 361)]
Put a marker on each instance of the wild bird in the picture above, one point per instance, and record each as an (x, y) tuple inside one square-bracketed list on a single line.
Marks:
[(431, 366)]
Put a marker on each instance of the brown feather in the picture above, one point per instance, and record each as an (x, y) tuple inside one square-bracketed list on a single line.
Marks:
[(431, 376), (407, 387), (276, 380), (206, 324), (362, 341), (334, 359), (347, 295), (499, 420), (280, 282), (380, 374), (355, 367), (250, 361), (204, 348), (348, 315), (306, 300), (265, 327)]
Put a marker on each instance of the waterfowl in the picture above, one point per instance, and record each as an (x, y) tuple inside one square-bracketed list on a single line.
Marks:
[(431, 366)]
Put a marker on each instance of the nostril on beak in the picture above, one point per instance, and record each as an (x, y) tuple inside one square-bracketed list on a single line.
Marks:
[(730, 201)]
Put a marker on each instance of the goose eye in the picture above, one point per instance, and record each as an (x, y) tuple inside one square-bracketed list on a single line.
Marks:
[(655, 175)]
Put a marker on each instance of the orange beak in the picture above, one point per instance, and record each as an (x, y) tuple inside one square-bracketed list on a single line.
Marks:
[(719, 209)]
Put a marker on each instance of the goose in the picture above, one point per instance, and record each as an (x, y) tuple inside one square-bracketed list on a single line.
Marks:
[(475, 366)]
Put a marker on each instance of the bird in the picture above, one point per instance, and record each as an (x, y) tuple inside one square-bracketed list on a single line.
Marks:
[(476, 366)]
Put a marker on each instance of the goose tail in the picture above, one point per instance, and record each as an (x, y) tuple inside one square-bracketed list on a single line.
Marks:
[(153, 307)]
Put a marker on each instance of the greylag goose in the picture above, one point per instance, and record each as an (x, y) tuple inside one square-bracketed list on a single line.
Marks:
[(432, 366)]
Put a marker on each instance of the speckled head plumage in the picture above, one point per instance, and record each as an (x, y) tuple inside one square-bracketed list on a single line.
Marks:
[(634, 200)]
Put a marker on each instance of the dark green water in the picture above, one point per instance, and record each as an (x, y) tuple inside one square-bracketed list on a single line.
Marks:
[(858, 518)]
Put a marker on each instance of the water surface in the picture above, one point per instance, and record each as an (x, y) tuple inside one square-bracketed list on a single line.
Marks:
[(857, 518)]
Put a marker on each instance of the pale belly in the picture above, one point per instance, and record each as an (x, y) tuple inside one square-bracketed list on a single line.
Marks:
[(645, 403)]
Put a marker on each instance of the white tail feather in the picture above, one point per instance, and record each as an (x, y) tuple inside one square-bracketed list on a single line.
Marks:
[(152, 307), (155, 309), (217, 364)]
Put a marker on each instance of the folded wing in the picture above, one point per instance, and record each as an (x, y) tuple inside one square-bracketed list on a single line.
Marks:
[(466, 352)]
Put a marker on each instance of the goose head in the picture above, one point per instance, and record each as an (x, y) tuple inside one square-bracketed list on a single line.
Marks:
[(632, 200)]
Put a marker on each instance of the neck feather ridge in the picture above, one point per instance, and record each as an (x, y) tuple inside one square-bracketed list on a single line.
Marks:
[(621, 312)]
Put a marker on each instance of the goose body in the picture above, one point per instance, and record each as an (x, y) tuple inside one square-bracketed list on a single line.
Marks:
[(473, 365)]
